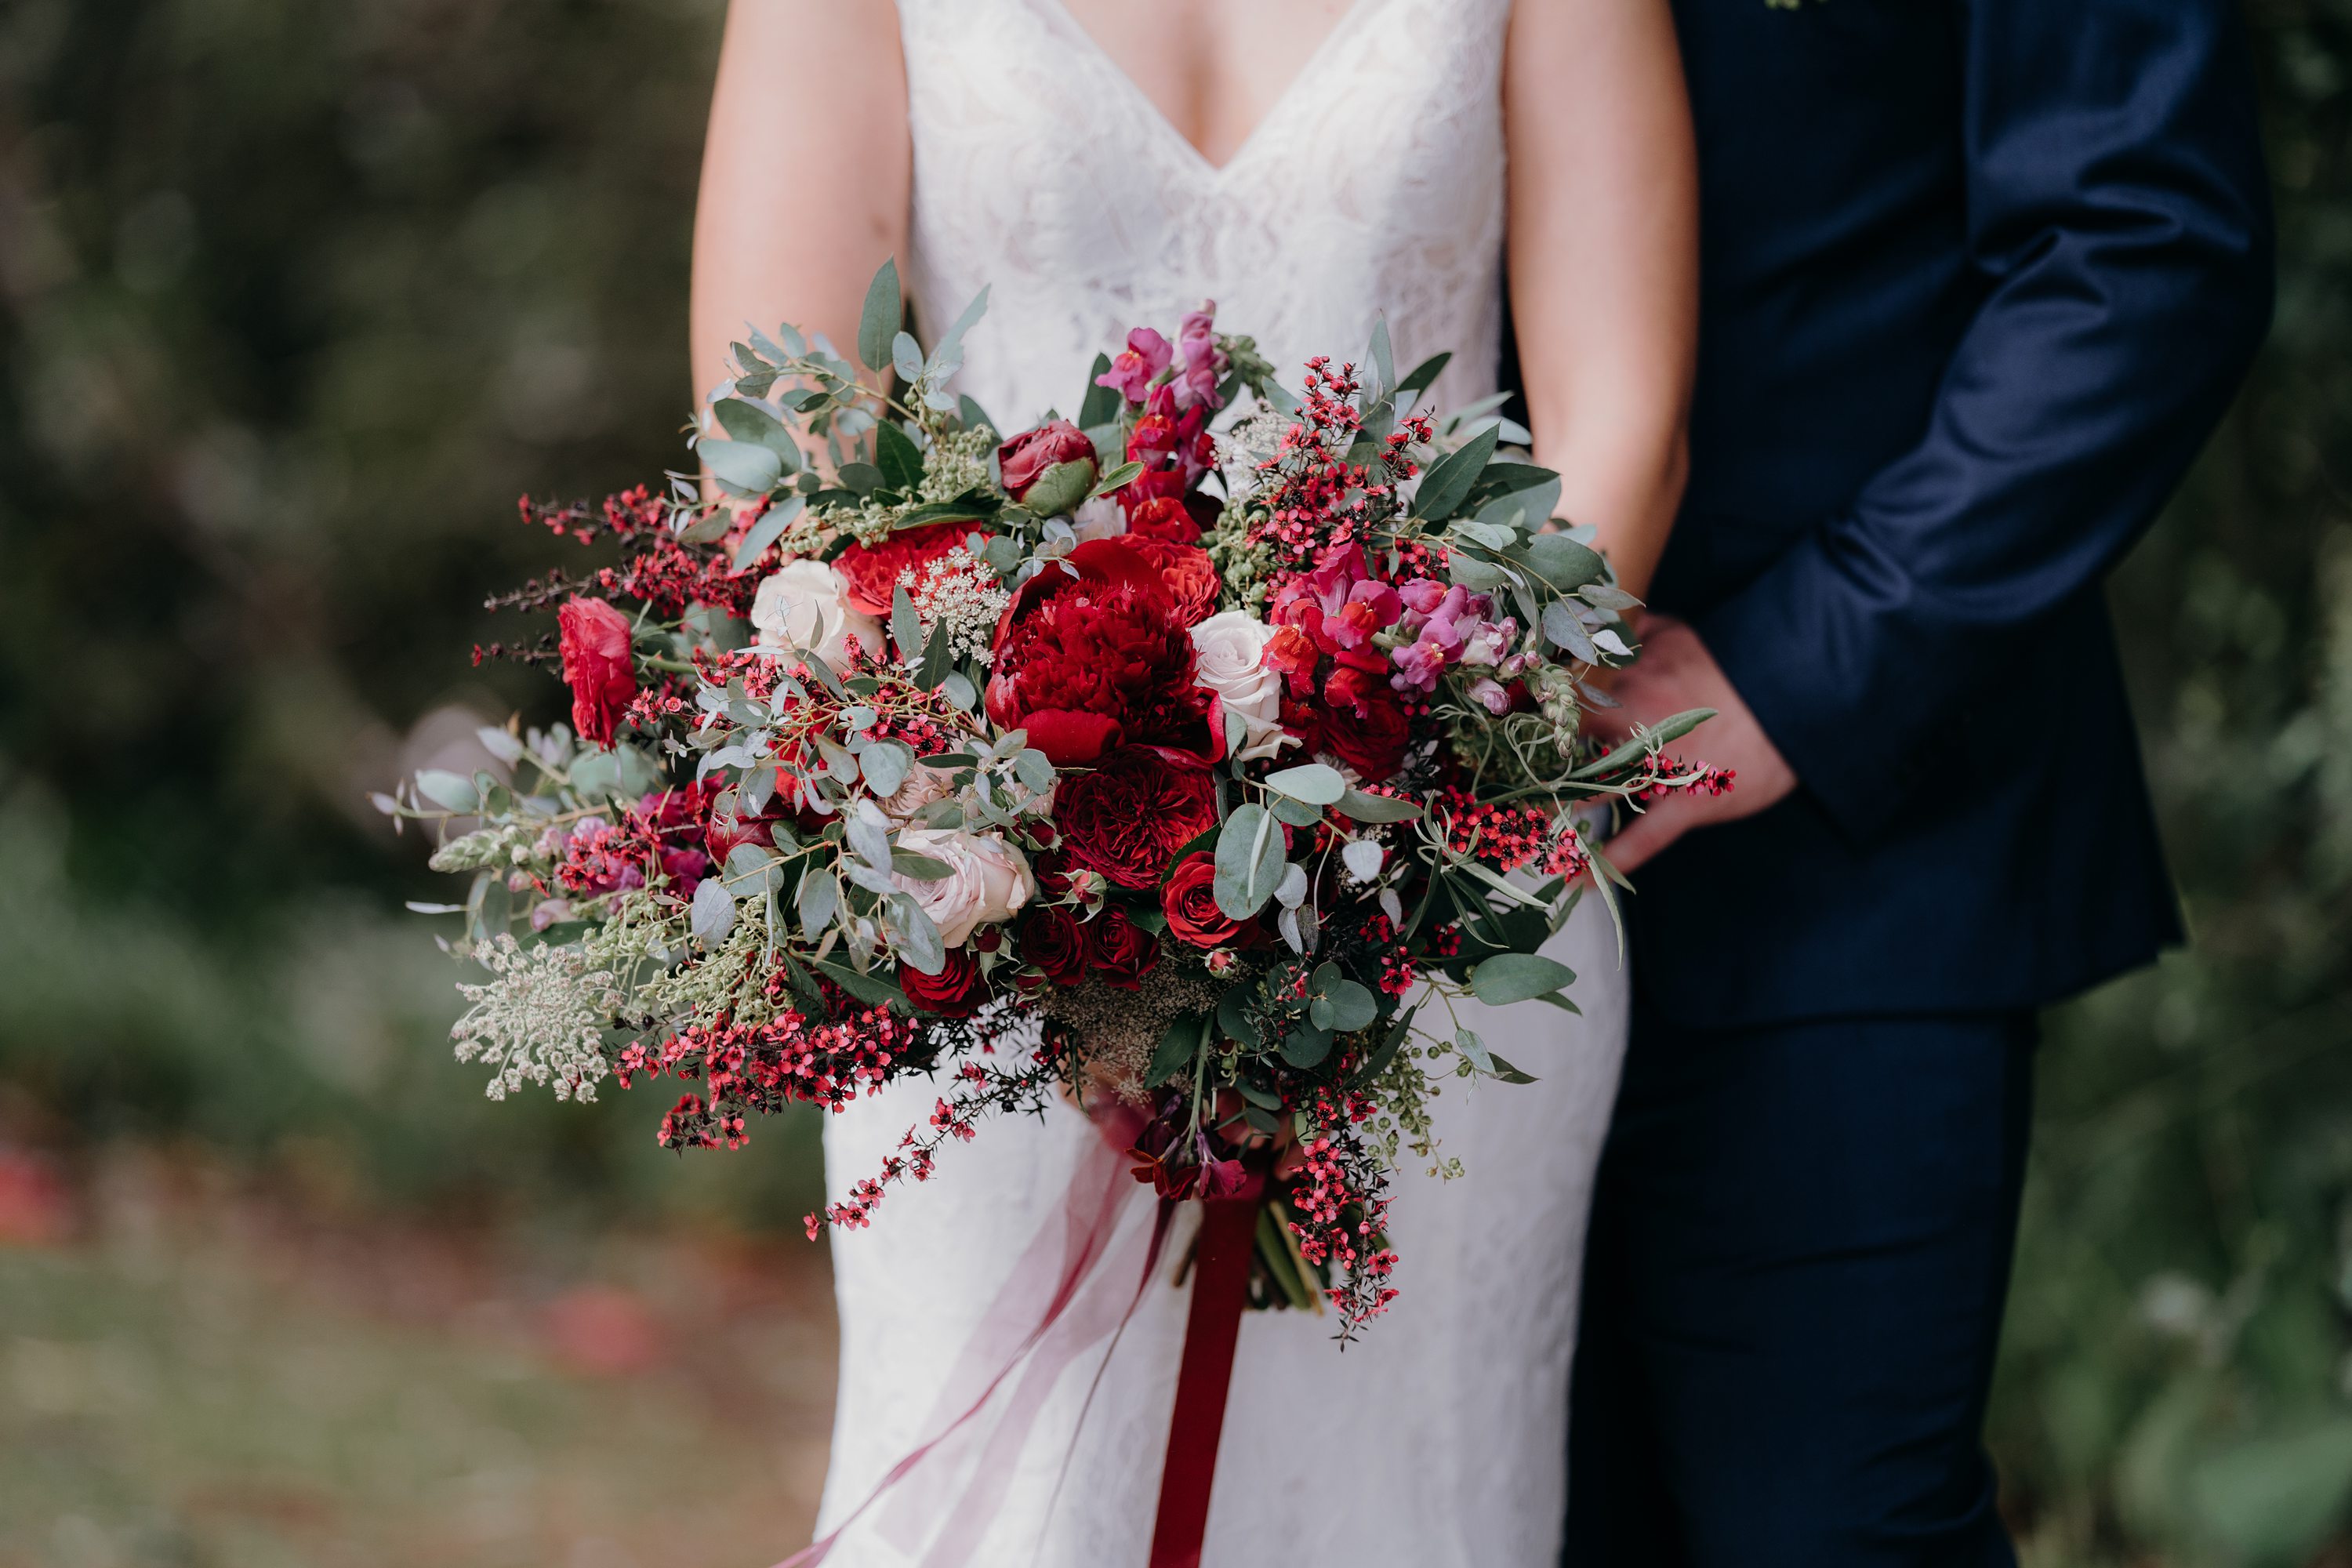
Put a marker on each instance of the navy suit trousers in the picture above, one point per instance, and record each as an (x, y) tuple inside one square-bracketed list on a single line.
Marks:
[(1800, 1248)]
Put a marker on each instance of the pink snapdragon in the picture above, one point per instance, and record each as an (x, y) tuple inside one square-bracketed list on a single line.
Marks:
[(1204, 363), (1132, 374)]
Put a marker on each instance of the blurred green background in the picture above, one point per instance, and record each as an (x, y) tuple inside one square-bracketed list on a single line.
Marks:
[(295, 298)]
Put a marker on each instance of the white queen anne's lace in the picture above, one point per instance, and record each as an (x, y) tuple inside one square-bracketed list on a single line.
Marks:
[(1376, 185), (539, 1019)]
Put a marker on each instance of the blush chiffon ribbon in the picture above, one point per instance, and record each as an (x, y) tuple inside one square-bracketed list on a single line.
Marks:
[(1027, 1345)]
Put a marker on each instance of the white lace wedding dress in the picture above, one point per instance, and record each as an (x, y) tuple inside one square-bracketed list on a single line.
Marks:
[(1374, 185)]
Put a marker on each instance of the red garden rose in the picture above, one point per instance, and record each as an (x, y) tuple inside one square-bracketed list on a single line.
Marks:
[(1369, 739), (594, 639), (1185, 572), (1089, 661), (869, 572), (1163, 517), (1120, 951), (1022, 460), (1189, 901), (955, 991), (1128, 817), (1053, 939), (1153, 484)]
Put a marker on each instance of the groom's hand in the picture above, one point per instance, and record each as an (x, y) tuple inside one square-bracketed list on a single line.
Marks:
[(1675, 673)]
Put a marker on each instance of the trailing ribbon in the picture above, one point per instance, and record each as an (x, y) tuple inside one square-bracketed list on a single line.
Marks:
[(1220, 1290)]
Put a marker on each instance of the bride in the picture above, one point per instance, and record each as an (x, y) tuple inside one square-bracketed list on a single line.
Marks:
[(1307, 164)]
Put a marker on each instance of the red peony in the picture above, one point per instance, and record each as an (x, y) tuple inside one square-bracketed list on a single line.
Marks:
[(1189, 901), (1085, 662), (955, 991), (1053, 939), (595, 639), (869, 572), (1128, 817), (1163, 516), (1185, 572), (1120, 951), (1021, 461)]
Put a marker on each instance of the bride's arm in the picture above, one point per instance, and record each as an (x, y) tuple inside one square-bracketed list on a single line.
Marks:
[(804, 174), (1604, 261)]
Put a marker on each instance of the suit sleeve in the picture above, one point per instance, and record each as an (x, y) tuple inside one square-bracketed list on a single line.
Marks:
[(2118, 210)]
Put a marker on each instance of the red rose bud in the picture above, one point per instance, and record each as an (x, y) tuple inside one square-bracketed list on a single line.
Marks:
[(955, 991), (1053, 939), (1022, 461), (1189, 901), (1119, 951), (597, 665), (1128, 817)]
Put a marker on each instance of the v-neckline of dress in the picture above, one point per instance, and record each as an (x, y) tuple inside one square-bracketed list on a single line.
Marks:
[(1285, 102)]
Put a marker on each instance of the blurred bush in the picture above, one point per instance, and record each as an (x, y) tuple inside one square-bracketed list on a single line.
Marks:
[(299, 297)]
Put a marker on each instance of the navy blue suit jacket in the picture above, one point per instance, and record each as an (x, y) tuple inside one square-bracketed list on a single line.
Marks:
[(1978, 278)]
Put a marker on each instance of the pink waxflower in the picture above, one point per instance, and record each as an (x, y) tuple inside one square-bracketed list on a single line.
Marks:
[(1130, 374)]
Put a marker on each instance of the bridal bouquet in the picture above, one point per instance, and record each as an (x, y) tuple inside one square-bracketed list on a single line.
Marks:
[(1196, 769)]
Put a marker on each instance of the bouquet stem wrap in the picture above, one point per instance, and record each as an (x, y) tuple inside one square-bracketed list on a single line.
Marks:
[(1220, 1290)]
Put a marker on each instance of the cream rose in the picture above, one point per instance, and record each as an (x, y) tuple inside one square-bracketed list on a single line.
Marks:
[(987, 882), (801, 605), (1227, 647), (1098, 518), (921, 787)]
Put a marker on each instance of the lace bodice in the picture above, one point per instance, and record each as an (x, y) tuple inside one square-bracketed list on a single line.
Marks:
[(1375, 183)]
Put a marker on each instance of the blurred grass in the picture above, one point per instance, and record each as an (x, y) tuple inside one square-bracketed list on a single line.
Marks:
[(212, 1376), (294, 299)]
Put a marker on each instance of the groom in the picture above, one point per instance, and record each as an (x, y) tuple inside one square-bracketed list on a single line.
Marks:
[(1978, 278)]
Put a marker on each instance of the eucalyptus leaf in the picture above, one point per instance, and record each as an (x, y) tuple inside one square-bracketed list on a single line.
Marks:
[(450, 792), (1448, 479), (1420, 379), (1307, 1045), (1510, 977), (1313, 782), (713, 912), (886, 765), (750, 423), (766, 531), (1175, 1051), (743, 468), (1377, 808), (906, 627), (947, 355), (878, 324), (900, 461), (819, 900)]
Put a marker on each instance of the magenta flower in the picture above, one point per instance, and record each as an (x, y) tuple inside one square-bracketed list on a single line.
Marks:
[(1145, 355), (1204, 363)]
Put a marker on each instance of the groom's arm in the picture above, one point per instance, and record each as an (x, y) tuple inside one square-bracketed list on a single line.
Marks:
[(2115, 190)]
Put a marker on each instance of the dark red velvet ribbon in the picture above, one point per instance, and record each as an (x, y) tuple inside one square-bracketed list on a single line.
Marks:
[(1220, 1268)]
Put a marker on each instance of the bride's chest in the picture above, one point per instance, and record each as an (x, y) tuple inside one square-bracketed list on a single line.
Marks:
[(1027, 130)]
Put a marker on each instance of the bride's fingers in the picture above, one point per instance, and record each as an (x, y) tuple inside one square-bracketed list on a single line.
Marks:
[(1646, 834)]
